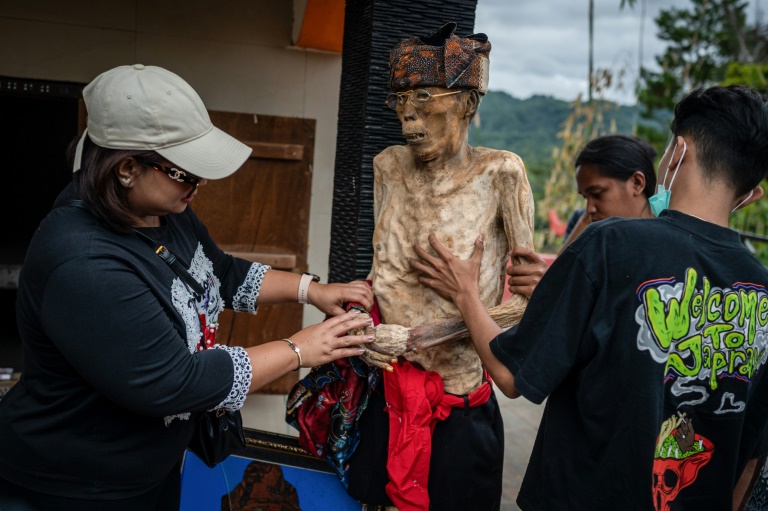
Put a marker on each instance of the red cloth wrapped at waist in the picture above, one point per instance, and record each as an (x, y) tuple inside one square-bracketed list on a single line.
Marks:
[(415, 402)]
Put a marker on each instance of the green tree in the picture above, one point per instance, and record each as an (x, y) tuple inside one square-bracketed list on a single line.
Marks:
[(751, 75), (702, 40)]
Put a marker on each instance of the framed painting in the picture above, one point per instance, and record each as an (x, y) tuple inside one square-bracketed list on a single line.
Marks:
[(273, 474)]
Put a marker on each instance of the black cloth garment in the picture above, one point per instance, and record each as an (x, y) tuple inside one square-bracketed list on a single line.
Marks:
[(111, 382), (465, 470), (637, 323), (163, 497)]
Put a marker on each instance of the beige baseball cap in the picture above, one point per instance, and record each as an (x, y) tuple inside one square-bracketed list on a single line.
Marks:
[(149, 108)]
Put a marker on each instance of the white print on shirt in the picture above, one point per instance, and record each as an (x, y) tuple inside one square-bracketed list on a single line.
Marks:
[(190, 306), (703, 334)]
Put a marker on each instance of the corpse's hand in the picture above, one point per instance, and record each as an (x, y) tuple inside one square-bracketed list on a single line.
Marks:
[(389, 343), (448, 275), (523, 278), (330, 298)]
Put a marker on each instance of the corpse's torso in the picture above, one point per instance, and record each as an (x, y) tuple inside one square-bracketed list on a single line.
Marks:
[(490, 197)]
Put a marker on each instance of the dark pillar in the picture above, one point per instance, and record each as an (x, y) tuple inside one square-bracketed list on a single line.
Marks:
[(366, 125)]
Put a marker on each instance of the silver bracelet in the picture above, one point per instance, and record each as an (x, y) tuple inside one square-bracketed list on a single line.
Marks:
[(296, 350)]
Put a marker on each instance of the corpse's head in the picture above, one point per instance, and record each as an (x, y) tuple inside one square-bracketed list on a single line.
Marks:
[(435, 120), (436, 83)]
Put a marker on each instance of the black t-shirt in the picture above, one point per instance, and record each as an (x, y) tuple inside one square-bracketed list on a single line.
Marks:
[(641, 329), (111, 380)]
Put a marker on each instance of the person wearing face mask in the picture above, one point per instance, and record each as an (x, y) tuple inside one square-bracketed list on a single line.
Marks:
[(615, 175), (647, 337)]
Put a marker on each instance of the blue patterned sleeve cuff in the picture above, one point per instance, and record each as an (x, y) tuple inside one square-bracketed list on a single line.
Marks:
[(242, 379), (248, 292)]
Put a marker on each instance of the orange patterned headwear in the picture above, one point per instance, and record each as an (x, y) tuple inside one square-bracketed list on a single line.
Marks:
[(442, 59)]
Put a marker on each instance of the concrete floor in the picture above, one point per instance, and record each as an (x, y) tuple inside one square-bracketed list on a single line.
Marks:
[(521, 421)]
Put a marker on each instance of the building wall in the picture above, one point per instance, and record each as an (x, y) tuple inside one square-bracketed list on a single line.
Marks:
[(237, 55)]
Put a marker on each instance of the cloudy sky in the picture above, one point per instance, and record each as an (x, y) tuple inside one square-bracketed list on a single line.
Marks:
[(541, 46)]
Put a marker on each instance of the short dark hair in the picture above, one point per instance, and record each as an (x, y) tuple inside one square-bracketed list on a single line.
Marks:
[(97, 185), (729, 126), (620, 156)]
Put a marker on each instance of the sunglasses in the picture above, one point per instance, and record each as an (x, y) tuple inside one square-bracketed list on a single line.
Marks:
[(176, 174)]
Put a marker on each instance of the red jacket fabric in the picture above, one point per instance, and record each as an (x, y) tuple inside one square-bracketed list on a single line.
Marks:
[(415, 402)]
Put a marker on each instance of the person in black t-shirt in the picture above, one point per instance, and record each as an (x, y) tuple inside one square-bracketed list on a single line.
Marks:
[(647, 337), (115, 337)]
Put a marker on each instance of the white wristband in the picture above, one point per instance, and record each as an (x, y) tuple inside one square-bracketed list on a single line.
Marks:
[(306, 280)]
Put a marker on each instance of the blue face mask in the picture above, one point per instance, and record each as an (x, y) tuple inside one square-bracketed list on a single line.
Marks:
[(660, 200)]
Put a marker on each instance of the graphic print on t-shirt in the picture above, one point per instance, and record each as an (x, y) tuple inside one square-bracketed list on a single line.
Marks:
[(198, 312), (706, 337), (191, 305), (680, 454), (703, 335)]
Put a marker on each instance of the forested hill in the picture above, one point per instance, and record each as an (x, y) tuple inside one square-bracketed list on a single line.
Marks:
[(529, 127)]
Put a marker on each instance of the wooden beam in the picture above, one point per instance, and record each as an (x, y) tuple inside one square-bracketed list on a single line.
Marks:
[(272, 151), (273, 256)]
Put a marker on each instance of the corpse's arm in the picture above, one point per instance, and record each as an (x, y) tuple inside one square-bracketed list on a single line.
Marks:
[(476, 322)]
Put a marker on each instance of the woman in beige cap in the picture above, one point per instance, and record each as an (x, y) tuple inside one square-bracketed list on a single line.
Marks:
[(116, 329)]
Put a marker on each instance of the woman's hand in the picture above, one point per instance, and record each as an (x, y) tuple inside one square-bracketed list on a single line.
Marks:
[(448, 275), (330, 298), (523, 278), (318, 344), (329, 340)]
